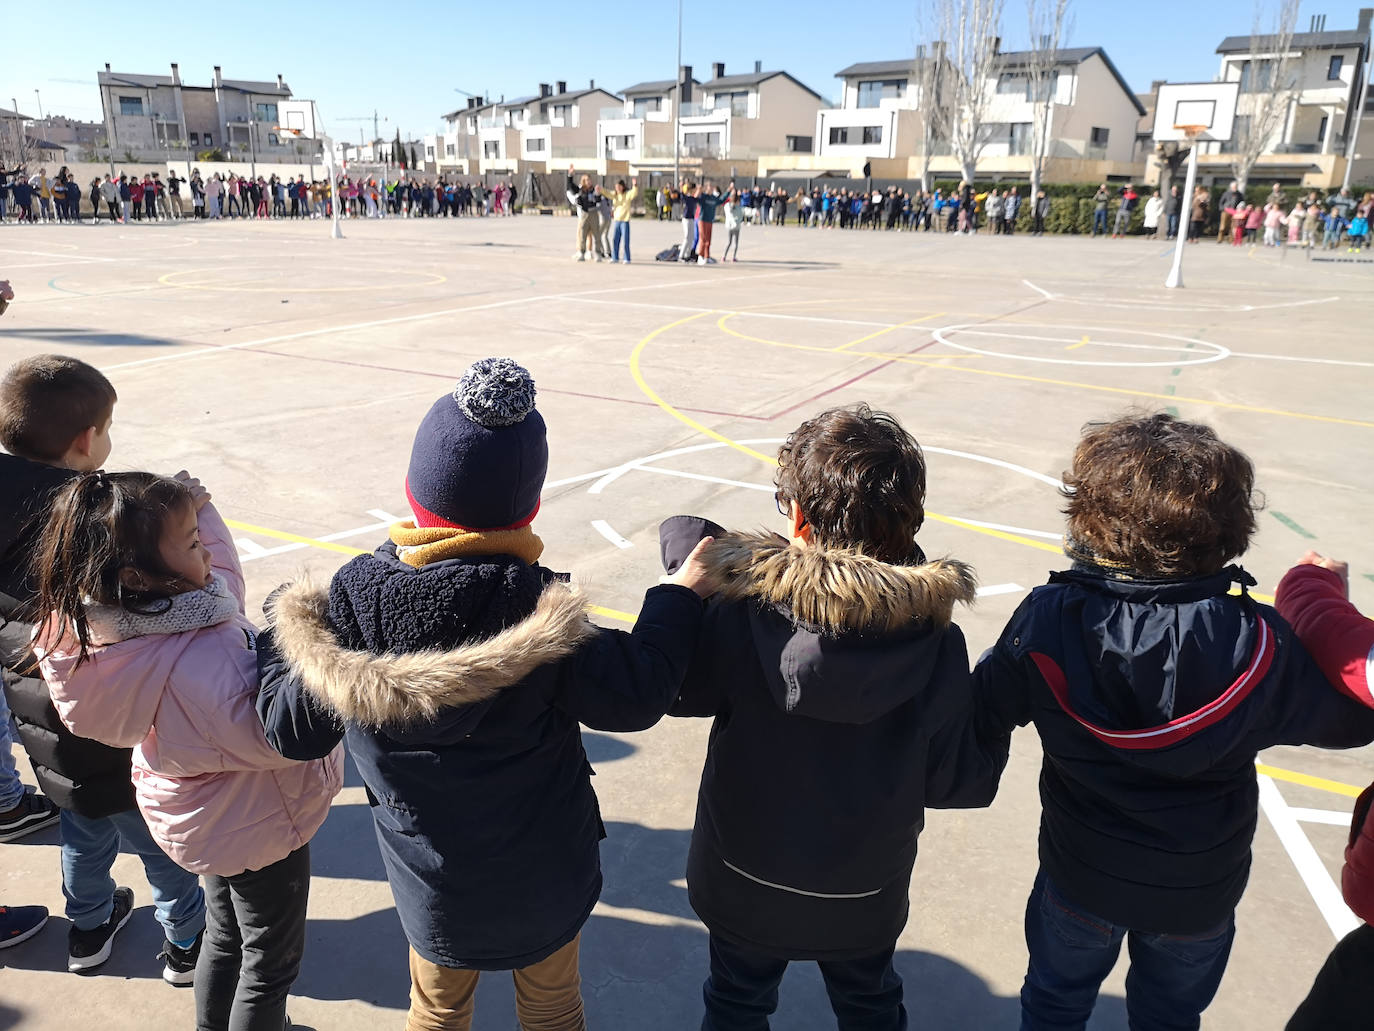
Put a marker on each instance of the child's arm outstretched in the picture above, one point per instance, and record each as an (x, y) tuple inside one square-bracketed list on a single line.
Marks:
[(215, 537), (964, 763), (297, 726), (1312, 597)]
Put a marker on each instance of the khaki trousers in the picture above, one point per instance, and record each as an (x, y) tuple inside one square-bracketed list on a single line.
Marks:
[(589, 233), (548, 995)]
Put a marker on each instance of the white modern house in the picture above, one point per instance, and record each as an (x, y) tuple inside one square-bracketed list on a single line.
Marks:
[(743, 117), (879, 115), (1310, 143), (640, 128)]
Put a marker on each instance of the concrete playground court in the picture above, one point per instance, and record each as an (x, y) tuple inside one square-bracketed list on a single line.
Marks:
[(289, 370)]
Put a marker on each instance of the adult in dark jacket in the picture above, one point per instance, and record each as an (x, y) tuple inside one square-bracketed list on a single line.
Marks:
[(1227, 206), (1152, 689), (841, 701), (459, 668)]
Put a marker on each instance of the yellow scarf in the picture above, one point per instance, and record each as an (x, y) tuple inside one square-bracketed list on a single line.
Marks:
[(420, 545)]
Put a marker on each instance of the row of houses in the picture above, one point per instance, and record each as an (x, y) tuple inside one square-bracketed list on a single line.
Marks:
[(770, 124)]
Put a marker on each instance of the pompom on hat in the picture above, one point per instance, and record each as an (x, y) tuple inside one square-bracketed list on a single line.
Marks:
[(481, 453)]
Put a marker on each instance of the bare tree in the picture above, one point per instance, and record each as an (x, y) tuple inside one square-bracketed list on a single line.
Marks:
[(970, 32), (1269, 84), (927, 76), (1049, 23)]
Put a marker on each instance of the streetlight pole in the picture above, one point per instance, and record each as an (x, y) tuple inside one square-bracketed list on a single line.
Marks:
[(23, 136), (677, 106)]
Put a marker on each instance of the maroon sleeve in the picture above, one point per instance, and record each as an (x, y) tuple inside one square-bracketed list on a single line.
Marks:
[(1330, 627)]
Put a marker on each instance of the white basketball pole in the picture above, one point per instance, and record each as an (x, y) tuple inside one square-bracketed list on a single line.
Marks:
[(1185, 212)]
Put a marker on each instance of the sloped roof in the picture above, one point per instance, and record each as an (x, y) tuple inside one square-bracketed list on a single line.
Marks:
[(518, 102), (1301, 41), (133, 79), (7, 113), (662, 86), (1071, 55), (903, 66), (754, 79), (571, 95), (250, 86), (38, 144), (454, 115)]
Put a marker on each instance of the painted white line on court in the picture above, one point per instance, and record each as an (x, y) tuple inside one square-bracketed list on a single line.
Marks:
[(282, 549), (683, 474), (249, 548), (1299, 358), (1309, 865), (50, 254), (1001, 464), (604, 528), (382, 514), (645, 916), (945, 335), (1023, 531), (1326, 816), (1043, 293), (1151, 305), (417, 317), (992, 590)]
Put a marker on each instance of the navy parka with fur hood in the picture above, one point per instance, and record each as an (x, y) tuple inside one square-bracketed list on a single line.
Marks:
[(1152, 699), (842, 708), (459, 687)]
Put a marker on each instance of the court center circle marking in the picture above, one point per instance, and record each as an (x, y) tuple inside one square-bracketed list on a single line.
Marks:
[(1214, 352), (1147, 304)]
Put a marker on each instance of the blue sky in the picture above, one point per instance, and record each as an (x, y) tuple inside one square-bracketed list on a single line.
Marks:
[(406, 60)]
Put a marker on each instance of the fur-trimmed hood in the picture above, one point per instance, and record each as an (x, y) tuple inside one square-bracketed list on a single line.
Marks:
[(835, 590), (396, 689), (840, 636)]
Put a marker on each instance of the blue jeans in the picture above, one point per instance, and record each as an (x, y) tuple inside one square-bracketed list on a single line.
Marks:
[(11, 789), (742, 991), (89, 848), (1172, 978), (622, 230), (1173, 226), (1099, 221)]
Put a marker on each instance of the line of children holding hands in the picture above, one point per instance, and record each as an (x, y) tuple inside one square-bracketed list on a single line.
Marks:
[(458, 668)]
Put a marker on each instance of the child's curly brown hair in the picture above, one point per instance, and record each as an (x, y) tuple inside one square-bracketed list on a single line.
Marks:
[(1160, 497)]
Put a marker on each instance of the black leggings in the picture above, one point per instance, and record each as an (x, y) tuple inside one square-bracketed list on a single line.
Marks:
[(1342, 997)]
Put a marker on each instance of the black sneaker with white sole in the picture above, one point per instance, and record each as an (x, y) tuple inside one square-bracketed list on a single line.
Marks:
[(34, 812), (20, 923), (87, 950), (178, 964)]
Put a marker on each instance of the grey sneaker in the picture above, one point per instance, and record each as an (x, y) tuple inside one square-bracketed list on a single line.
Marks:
[(87, 950)]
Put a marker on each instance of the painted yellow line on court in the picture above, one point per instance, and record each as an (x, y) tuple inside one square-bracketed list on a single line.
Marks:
[(616, 614), (1081, 343), (1309, 781), (294, 538), (886, 330)]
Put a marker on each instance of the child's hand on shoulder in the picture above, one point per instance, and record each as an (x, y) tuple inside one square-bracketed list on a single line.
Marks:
[(693, 573), (200, 497), (1341, 569)]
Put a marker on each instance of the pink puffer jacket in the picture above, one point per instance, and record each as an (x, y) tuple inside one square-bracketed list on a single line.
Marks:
[(217, 797)]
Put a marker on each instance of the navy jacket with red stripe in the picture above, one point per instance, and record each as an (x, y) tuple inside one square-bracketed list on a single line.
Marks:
[(1152, 699)]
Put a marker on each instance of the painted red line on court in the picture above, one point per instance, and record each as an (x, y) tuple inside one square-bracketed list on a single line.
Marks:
[(453, 379), (846, 383)]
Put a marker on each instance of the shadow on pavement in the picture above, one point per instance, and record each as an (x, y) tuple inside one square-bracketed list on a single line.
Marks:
[(86, 336)]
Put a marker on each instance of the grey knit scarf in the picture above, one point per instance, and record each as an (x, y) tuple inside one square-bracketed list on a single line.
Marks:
[(211, 605)]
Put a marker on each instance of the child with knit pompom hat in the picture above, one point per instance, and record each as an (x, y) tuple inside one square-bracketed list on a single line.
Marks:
[(458, 668)]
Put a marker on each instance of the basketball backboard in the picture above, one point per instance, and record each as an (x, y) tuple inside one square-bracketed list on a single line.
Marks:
[(1210, 105)]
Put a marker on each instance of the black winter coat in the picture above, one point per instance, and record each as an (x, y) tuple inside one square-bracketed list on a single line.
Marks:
[(77, 773), (1152, 699), (460, 687), (843, 709)]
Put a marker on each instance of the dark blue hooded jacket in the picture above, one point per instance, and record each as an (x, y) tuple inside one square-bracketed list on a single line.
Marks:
[(459, 686), (1152, 699)]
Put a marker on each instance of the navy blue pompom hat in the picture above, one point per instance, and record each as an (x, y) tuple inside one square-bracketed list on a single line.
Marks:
[(481, 453)]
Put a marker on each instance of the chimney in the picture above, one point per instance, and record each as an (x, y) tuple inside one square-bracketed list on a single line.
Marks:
[(758, 67), (1366, 16), (684, 84), (176, 75), (545, 90), (280, 83), (995, 42), (219, 77), (107, 66), (718, 70), (591, 84), (562, 87), (1156, 83)]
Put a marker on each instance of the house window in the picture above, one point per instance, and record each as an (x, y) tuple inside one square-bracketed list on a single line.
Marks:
[(429, 151), (644, 105), (1008, 82), (798, 145), (737, 102), (272, 140), (873, 134), (265, 113), (1321, 131), (839, 134), (195, 139), (450, 150), (701, 144), (1099, 136), (209, 139), (535, 145), (872, 94), (491, 149), (619, 143), (1256, 77), (563, 111), (1019, 138), (131, 105), (1333, 70), (1049, 85)]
